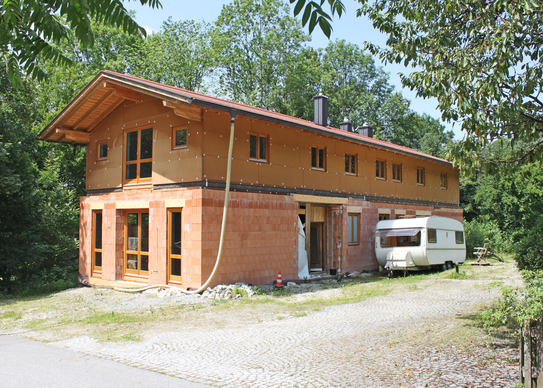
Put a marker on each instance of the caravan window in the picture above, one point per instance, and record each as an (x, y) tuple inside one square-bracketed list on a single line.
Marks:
[(399, 237), (460, 237), (432, 236)]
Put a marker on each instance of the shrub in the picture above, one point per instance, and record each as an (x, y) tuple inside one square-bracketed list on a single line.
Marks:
[(517, 305), (529, 251), (478, 232)]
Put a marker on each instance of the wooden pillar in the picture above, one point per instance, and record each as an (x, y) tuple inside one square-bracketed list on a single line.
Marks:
[(308, 233)]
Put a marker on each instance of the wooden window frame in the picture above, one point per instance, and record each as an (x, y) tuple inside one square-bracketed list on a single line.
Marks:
[(397, 172), (355, 240), (381, 169), (318, 149), (258, 148), (174, 131), (443, 181), (137, 272), (170, 256), (94, 267), (98, 146), (137, 161), (421, 176), (349, 164)]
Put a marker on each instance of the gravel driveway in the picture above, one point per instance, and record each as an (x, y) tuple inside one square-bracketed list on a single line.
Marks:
[(419, 336)]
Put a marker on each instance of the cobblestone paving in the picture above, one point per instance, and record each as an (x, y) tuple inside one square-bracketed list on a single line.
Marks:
[(402, 339)]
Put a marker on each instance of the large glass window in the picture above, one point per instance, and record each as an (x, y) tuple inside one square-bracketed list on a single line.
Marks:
[(138, 164), (137, 243), (97, 241), (174, 245), (354, 226)]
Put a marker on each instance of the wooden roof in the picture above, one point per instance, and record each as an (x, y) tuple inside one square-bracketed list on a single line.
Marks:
[(109, 89)]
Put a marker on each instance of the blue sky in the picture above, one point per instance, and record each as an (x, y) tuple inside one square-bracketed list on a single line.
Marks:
[(353, 29)]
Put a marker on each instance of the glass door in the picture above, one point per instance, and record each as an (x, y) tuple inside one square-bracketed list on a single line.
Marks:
[(97, 241), (174, 245), (137, 243)]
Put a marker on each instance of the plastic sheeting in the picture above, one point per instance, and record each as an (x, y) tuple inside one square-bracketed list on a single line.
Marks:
[(303, 270)]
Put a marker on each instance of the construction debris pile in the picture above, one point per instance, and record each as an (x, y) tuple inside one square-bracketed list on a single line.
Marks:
[(231, 291)]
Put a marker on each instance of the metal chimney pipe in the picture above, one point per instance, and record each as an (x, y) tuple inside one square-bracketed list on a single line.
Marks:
[(346, 125), (365, 130), (321, 110)]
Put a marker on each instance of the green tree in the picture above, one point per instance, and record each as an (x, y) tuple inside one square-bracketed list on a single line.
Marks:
[(182, 54), (30, 29), (480, 59), (260, 47), (355, 86)]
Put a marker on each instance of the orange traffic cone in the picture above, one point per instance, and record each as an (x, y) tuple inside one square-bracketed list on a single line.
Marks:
[(279, 280)]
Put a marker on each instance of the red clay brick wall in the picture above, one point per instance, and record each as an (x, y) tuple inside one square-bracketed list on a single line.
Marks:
[(260, 239), (85, 237)]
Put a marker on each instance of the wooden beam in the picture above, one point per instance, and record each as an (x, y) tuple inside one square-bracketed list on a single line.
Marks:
[(90, 110), (123, 92), (105, 113), (320, 199), (186, 111), (74, 136)]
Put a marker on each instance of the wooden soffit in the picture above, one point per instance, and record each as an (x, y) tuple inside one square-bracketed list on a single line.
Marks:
[(74, 124)]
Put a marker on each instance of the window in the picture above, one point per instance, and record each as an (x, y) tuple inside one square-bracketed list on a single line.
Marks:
[(383, 217), (174, 245), (396, 172), (350, 163), (102, 150), (258, 147), (97, 241), (459, 237), (420, 176), (179, 138), (353, 228), (432, 236), (138, 165), (443, 181), (137, 243), (380, 169), (318, 158)]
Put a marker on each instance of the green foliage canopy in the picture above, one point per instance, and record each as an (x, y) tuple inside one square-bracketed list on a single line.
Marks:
[(482, 60), (29, 29)]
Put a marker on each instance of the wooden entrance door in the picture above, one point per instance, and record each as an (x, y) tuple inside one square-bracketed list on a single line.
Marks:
[(316, 257)]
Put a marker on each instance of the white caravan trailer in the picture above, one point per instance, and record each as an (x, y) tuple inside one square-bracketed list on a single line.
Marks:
[(413, 244)]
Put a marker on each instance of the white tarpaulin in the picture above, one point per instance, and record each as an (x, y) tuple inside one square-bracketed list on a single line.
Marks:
[(303, 271)]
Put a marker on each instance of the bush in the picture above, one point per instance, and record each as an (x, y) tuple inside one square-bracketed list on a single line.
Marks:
[(517, 305), (529, 251), (478, 232)]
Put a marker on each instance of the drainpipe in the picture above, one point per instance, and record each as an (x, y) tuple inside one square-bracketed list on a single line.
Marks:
[(223, 225)]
